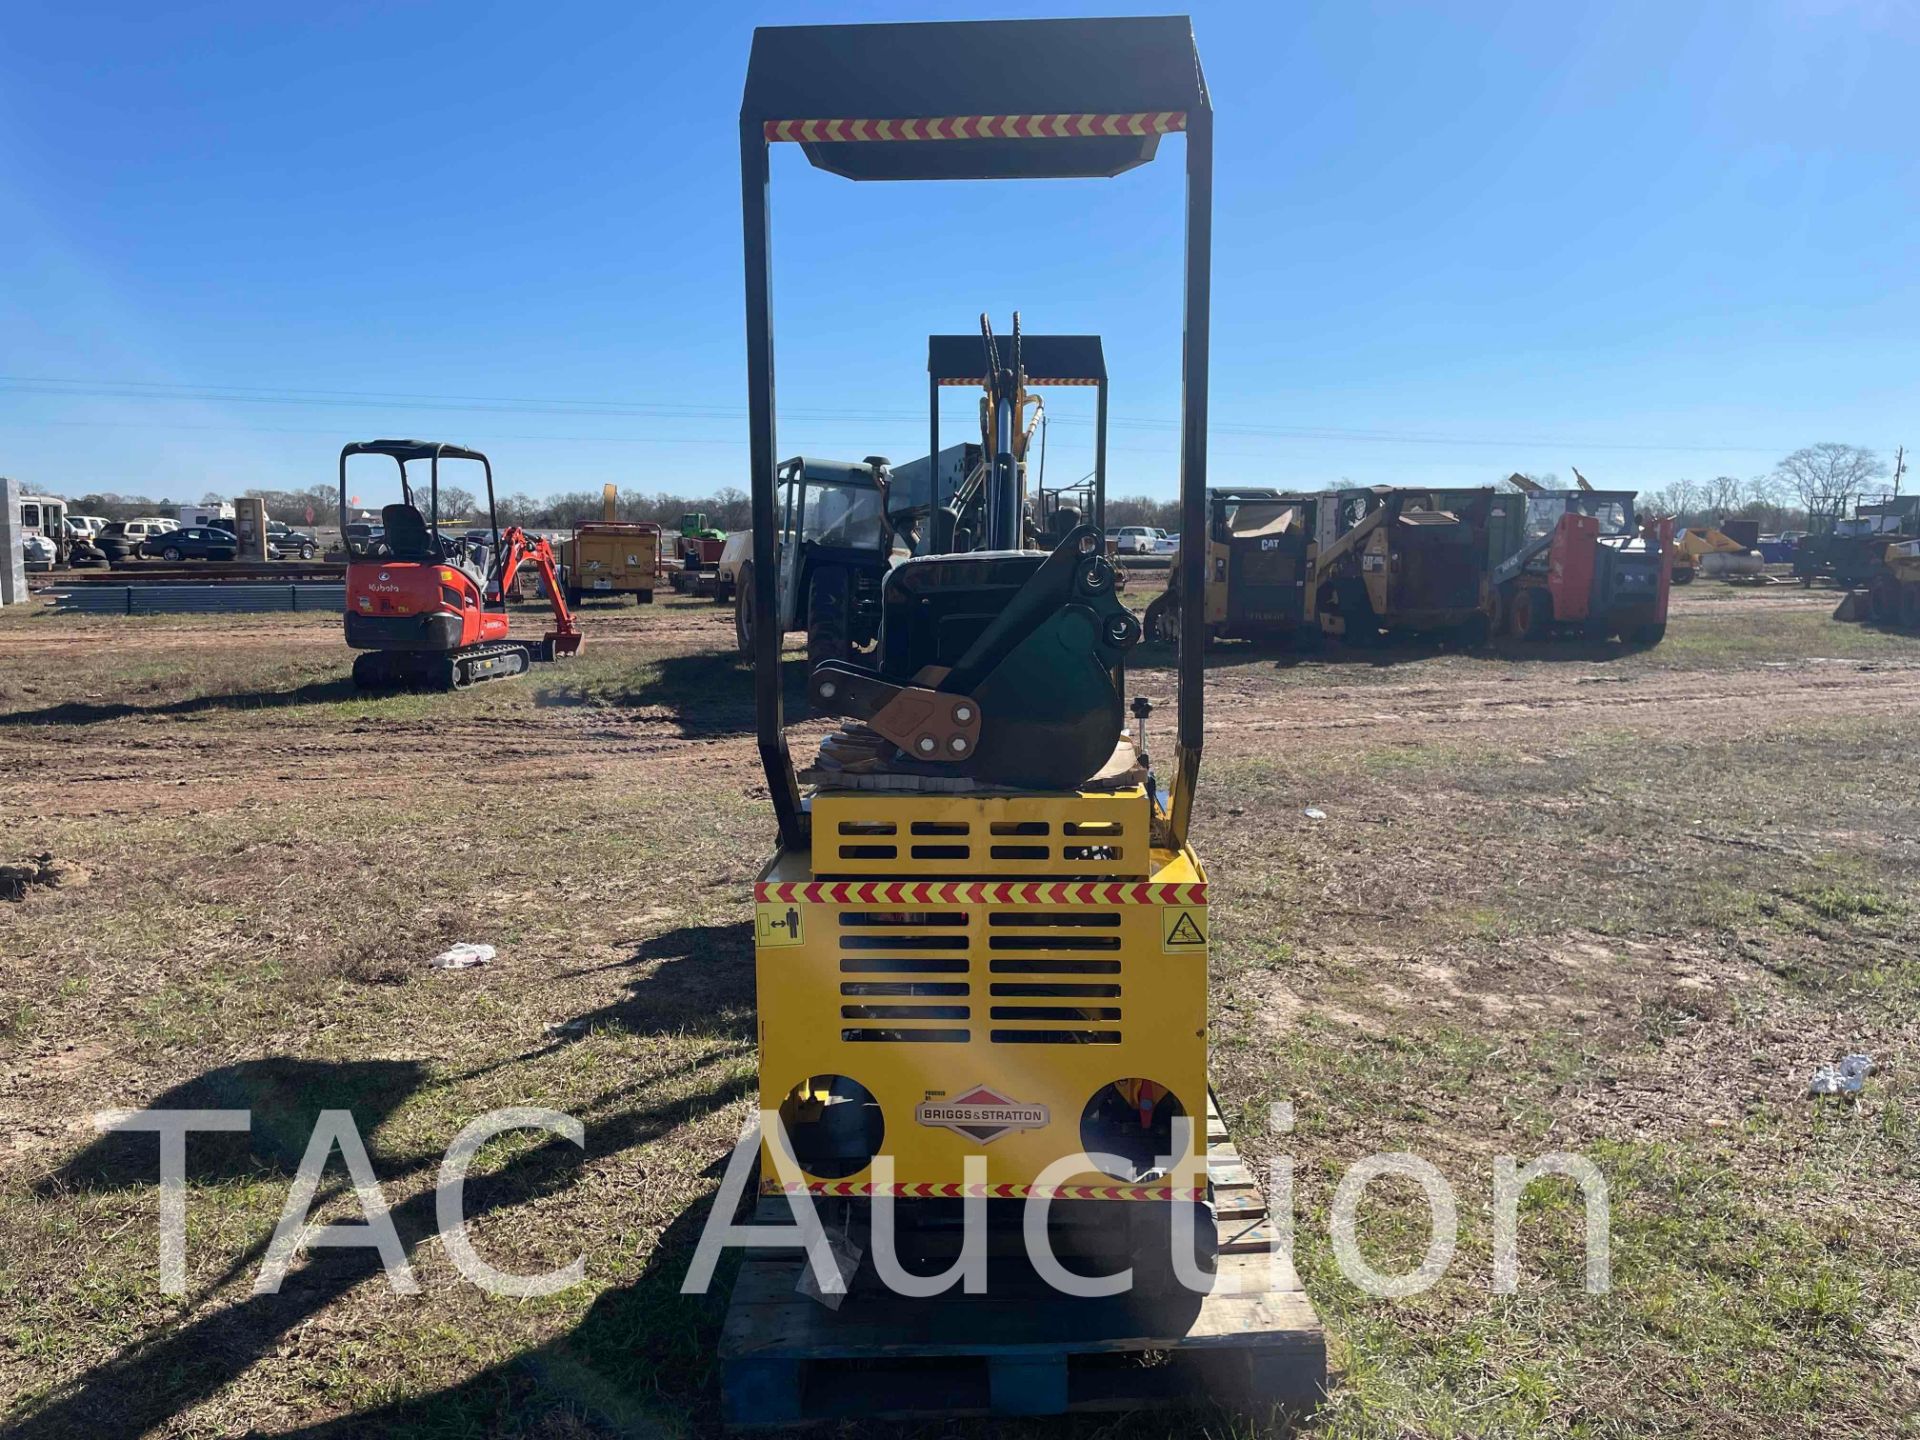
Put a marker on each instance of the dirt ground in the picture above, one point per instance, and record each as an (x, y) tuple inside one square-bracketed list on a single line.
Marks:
[(1557, 899)]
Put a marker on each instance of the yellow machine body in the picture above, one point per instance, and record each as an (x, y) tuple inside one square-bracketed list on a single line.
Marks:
[(614, 559), (983, 966)]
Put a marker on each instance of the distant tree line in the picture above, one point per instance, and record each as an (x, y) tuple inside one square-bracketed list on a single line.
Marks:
[(1807, 490), (1804, 491)]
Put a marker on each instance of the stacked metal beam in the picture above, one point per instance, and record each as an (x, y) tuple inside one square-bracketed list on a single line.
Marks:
[(198, 599)]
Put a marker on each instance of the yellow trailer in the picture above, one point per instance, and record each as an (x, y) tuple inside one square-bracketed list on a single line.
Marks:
[(607, 557)]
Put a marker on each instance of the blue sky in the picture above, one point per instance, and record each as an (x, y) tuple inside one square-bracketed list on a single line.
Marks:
[(1452, 240)]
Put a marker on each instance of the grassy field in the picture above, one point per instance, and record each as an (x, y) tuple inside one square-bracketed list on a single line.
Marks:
[(1620, 904)]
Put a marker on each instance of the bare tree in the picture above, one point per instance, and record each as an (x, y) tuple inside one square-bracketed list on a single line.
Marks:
[(1722, 495), (520, 509), (731, 508), (1684, 497), (1827, 478), (455, 504)]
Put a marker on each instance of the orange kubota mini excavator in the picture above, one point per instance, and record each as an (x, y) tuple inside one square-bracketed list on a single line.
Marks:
[(429, 609)]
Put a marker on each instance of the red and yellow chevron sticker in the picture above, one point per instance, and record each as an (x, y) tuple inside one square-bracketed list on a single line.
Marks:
[(980, 127), (981, 892), (969, 381), (861, 1190)]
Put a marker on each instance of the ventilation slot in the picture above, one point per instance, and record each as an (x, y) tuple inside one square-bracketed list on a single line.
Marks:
[(865, 919), (907, 965), (1047, 1012), (942, 852), (1056, 920), (1055, 1037), (1013, 989), (1020, 827), (940, 827), (869, 852), (911, 942), (1020, 852), (1051, 942), (920, 987), (940, 1012), (907, 1037), (868, 827), (1049, 967)]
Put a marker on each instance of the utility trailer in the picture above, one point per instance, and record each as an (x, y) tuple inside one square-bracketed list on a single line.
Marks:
[(609, 556), (981, 952), (697, 554), (612, 558), (1581, 564)]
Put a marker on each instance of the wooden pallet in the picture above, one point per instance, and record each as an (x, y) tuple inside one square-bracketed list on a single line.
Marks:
[(1024, 1349)]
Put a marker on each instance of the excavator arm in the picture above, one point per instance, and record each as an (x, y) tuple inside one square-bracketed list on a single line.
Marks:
[(517, 549)]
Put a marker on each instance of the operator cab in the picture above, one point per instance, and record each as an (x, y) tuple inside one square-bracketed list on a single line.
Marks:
[(1612, 508)]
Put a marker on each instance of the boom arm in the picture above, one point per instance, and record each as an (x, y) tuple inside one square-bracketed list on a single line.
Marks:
[(517, 549)]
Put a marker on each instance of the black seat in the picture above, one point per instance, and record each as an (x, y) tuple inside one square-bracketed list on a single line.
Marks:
[(407, 536)]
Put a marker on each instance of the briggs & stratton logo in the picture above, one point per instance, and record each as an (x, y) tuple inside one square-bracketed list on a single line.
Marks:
[(982, 1114)]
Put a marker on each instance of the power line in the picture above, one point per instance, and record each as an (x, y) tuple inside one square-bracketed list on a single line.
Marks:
[(583, 406)]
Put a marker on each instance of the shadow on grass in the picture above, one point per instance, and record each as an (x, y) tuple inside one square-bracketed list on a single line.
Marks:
[(284, 1097), (78, 712), (643, 1339), (640, 1362), (708, 694), (700, 982)]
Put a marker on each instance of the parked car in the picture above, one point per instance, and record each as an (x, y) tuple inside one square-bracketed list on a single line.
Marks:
[(1165, 544), (1139, 540), (196, 542), (286, 540), (119, 539), (85, 527)]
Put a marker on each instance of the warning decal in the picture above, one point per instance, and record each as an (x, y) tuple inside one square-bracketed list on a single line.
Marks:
[(776, 927), (1182, 929)]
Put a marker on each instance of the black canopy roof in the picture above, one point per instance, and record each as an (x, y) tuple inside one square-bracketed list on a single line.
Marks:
[(405, 450), (1047, 359), (1058, 72)]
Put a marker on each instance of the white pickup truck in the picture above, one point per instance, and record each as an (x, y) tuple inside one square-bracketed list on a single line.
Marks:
[(1143, 540)]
